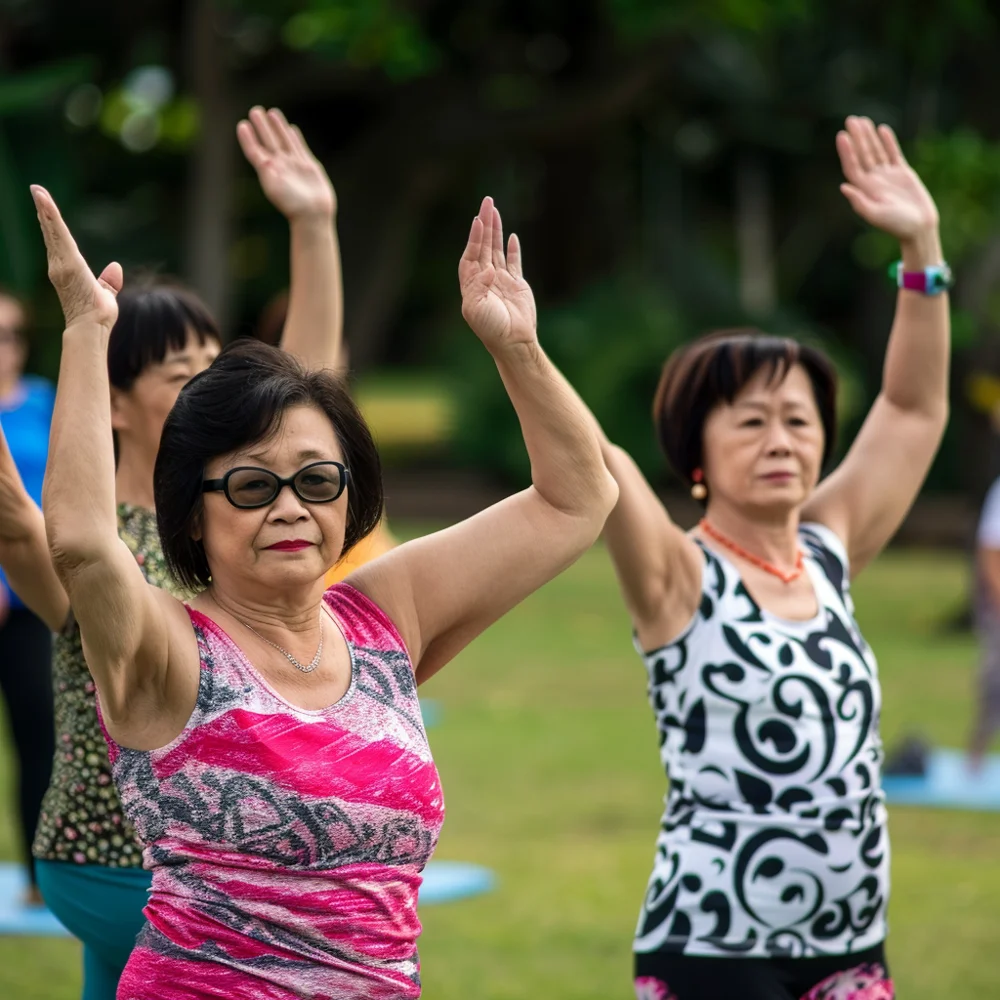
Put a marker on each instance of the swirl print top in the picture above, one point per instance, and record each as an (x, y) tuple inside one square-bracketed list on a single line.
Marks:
[(286, 845), (773, 841)]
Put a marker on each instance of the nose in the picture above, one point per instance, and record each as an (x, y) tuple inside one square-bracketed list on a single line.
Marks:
[(777, 442), (287, 507)]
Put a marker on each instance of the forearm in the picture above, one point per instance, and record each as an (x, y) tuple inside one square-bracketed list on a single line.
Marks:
[(560, 433), (79, 489), (915, 378), (24, 556), (314, 325)]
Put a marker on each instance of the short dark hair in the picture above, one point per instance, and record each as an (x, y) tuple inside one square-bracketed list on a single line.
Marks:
[(155, 316), (239, 400), (713, 369)]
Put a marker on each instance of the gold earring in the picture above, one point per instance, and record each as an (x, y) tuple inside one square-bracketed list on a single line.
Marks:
[(698, 490)]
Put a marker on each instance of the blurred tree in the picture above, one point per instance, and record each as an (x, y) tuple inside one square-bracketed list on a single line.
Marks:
[(671, 159)]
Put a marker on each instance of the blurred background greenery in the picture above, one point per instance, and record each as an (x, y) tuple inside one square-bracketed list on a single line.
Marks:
[(669, 165)]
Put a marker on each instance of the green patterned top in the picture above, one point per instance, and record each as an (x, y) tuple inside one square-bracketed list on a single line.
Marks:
[(81, 819)]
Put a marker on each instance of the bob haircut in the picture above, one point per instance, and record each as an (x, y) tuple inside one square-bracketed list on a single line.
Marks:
[(239, 400), (155, 316), (714, 369)]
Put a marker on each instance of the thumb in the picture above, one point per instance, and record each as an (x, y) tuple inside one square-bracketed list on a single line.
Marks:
[(112, 278), (860, 202)]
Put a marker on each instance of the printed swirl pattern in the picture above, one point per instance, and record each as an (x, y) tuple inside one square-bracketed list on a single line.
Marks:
[(773, 841)]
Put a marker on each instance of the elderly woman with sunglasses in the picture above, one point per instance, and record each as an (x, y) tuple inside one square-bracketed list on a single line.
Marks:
[(87, 858), (266, 738)]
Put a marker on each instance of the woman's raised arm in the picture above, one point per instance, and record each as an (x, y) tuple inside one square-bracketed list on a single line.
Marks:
[(125, 623), (866, 498), (24, 550), (295, 182), (444, 589)]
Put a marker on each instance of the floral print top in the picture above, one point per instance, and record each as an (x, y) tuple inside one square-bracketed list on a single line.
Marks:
[(81, 819)]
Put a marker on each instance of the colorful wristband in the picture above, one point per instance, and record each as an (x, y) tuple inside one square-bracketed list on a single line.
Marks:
[(931, 280)]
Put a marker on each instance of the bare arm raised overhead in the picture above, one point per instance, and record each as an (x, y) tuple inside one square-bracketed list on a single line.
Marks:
[(24, 551), (866, 498), (295, 182), (445, 588), (125, 624)]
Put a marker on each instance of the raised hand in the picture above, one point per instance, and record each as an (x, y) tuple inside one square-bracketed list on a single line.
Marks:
[(84, 298), (291, 177), (881, 186), (496, 300)]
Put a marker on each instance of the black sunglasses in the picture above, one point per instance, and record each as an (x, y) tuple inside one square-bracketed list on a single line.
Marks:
[(247, 487)]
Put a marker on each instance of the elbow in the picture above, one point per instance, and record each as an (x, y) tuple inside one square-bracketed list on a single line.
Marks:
[(601, 502), (71, 552)]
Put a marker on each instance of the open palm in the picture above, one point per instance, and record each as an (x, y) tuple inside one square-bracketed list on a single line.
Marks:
[(881, 186), (496, 300), (291, 177), (84, 298)]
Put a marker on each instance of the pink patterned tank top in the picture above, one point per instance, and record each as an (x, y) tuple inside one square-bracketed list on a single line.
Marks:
[(286, 845)]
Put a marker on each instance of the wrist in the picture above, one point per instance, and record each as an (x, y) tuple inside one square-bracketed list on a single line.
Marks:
[(89, 327), (313, 220), (922, 249)]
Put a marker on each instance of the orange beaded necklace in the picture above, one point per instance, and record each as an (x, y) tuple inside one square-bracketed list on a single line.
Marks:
[(767, 567)]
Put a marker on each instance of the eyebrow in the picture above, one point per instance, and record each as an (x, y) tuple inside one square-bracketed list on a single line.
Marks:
[(309, 454)]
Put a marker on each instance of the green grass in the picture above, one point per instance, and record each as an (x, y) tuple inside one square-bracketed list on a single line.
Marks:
[(548, 757)]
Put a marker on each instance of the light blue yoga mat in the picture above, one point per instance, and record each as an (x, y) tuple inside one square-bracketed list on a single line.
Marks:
[(431, 712), (948, 784), (15, 917), (444, 881)]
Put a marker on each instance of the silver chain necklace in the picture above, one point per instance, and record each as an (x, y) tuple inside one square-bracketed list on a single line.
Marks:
[(305, 668)]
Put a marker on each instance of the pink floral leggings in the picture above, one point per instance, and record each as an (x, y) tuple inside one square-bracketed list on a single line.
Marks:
[(661, 976)]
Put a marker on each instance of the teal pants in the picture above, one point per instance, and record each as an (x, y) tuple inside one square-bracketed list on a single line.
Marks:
[(103, 908)]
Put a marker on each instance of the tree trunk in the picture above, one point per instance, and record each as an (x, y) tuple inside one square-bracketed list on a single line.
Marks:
[(208, 230), (754, 236)]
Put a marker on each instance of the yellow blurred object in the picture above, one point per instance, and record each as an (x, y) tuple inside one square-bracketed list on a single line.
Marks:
[(983, 392), (380, 541)]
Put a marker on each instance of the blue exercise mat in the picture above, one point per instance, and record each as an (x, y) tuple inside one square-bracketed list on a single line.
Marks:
[(431, 712), (15, 917), (948, 784), (445, 881)]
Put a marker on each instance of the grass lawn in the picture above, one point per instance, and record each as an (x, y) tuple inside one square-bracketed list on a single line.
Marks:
[(547, 752)]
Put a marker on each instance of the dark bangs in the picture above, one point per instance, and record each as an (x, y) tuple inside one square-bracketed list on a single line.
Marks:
[(154, 318), (714, 369)]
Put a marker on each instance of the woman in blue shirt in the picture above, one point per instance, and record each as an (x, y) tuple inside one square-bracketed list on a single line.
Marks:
[(25, 640)]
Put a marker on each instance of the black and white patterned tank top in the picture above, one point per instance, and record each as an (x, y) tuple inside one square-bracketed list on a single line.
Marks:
[(773, 841)]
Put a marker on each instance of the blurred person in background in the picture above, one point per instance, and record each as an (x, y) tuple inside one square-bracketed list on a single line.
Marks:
[(381, 540), (266, 737), (986, 611), (87, 853), (25, 639), (771, 873)]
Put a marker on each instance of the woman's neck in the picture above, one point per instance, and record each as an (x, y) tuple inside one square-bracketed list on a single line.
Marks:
[(134, 477), (774, 539), (297, 611)]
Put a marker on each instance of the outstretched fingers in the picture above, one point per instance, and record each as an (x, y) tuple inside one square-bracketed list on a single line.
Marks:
[(251, 145), (59, 243), (486, 218), (514, 256), (264, 129), (497, 242), (890, 144), (282, 130), (849, 161)]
